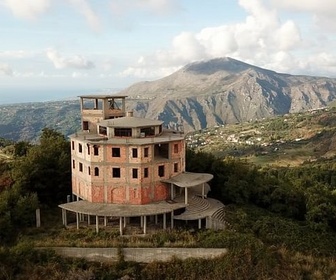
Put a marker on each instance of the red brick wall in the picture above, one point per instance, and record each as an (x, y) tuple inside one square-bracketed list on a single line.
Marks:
[(98, 194)]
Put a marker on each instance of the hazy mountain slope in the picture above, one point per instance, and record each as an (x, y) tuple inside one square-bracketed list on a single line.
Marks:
[(201, 94), (225, 90)]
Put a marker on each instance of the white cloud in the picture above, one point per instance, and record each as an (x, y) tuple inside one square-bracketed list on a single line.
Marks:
[(5, 69), (27, 9), (261, 39), (323, 12), (16, 54), (160, 7), (86, 10), (75, 61)]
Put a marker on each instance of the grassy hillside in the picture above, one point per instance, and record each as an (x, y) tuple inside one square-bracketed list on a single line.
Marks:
[(287, 140), (25, 121)]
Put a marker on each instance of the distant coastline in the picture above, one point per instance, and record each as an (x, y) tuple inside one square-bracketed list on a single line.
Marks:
[(14, 96)]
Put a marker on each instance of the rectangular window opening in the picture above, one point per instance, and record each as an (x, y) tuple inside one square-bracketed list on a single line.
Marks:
[(116, 172), (85, 125), (146, 152), (134, 152), (134, 173), (95, 150), (123, 132), (115, 152), (175, 167), (161, 170), (146, 172)]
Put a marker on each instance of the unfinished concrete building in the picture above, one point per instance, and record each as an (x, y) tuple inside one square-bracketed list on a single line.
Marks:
[(127, 167)]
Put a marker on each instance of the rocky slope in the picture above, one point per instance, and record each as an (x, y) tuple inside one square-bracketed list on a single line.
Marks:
[(225, 90)]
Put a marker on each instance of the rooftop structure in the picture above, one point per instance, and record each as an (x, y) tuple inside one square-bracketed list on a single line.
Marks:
[(124, 166)]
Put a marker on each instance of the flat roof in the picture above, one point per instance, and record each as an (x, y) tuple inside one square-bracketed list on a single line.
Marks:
[(102, 96), (121, 210), (189, 179), (130, 122), (166, 136)]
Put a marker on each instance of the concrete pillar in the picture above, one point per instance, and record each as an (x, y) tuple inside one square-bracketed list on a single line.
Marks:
[(38, 217), (97, 224), (120, 226), (77, 220), (65, 218), (125, 222), (145, 225), (171, 191), (88, 217), (199, 223), (164, 221), (203, 192), (185, 195), (105, 221), (156, 219), (172, 220)]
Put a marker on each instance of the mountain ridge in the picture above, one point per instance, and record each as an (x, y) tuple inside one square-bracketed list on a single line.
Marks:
[(226, 90), (199, 95)]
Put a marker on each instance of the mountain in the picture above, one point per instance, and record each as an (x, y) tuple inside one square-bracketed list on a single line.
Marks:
[(225, 90), (201, 94)]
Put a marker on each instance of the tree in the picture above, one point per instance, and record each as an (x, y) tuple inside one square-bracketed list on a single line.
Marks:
[(46, 169)]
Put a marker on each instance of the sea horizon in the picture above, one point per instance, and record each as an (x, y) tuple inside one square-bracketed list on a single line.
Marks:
[(15, 96)]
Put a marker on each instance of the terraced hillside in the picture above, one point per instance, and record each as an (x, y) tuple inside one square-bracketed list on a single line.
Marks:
[(286, 140)]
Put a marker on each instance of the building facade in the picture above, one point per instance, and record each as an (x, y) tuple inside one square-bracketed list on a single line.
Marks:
[(118, 158), (127, 167)]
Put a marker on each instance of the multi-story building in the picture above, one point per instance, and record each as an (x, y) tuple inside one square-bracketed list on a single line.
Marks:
[(125, 166)]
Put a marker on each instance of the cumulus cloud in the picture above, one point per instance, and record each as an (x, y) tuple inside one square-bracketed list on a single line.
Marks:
[(5, 69), (86, 10), (160, 7), (61, 62), (323, 12), (262, 39), (27, 9)]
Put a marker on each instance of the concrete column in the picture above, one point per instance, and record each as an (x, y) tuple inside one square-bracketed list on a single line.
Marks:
[(172, 220), (164, 221), (145, 224), (171, 191), (105, 221), (38, 217), (203, 192), (156, 219), (125, 222), (97, 224), (77, 220), (199, 223), (65, 218), (185, 195), (88, 217), (120, 226)]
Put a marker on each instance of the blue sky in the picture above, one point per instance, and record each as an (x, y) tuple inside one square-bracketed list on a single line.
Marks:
[(57, 48)]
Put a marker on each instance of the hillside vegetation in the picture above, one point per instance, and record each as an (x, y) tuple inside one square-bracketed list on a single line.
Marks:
[(285, 140), (281, 220)]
